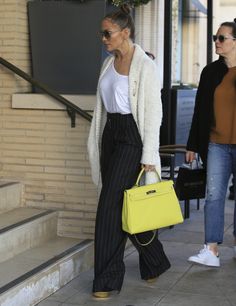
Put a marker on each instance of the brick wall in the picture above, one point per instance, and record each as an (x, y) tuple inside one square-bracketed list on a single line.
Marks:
[(38, 147)]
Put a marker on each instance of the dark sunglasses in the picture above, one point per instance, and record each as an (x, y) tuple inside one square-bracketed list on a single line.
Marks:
[(107, 34), (221, 38)]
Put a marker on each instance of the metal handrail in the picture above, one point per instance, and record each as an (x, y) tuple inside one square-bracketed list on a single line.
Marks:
[(72, 109)]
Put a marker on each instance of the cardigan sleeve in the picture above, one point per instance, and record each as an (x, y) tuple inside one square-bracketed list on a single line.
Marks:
[(194, 137), (152, 114), (203, 117), (96, 129)]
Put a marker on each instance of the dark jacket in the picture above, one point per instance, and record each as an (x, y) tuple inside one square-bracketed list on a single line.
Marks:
[(203, 116)]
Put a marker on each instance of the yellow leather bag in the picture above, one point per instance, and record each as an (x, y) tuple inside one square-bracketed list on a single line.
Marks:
[(150, 207)]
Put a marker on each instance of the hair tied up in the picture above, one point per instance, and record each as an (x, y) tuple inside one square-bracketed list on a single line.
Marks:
[(235, 20), (125, 8)]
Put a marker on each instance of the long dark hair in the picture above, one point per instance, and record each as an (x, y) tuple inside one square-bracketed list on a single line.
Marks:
[(232, 25), (123, 19)]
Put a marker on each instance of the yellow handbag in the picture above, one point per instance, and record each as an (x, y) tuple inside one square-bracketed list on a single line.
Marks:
[(150, 207)]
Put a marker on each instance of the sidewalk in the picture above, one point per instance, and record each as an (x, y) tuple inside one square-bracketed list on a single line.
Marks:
[(183, 285)]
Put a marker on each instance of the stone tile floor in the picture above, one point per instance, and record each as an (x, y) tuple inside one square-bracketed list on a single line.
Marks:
[(184, 284)]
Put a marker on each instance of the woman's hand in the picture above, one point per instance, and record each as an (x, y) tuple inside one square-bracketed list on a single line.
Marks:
[(148, 168), (190, 156)]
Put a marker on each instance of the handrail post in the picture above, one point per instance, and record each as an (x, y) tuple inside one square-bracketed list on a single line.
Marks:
[(72, 115)]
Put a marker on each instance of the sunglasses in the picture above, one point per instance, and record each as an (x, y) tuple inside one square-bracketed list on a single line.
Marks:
[(107, 34), (221, 38)]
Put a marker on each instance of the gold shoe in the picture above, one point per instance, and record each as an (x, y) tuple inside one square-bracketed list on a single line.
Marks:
[(101, 294), (151, 280)]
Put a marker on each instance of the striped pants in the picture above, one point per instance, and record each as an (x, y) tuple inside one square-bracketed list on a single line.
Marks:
[(120, 165)]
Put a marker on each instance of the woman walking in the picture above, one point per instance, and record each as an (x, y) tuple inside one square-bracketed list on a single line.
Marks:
[(213, 136), (124, 136)]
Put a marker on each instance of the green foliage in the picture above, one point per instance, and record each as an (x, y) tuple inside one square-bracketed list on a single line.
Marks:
[(130, 2)]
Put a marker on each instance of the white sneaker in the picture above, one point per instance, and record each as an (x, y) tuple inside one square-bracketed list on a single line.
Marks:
[(206, 257)]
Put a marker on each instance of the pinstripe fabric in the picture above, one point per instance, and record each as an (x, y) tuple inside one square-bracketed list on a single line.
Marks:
[(120, 165)]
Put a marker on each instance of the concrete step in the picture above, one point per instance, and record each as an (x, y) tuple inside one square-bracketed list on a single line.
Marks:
[(33, 275), (10, 195), (24, 228), (34, 261)]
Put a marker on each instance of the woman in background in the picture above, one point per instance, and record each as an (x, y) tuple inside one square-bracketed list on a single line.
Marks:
[(213, 136)]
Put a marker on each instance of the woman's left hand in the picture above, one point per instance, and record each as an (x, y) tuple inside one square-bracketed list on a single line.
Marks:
[(148, 168)]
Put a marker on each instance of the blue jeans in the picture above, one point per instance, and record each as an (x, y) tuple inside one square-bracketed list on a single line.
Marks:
[(221, 163)]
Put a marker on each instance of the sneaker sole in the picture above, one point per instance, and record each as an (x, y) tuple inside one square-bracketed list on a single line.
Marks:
[(203, 264)]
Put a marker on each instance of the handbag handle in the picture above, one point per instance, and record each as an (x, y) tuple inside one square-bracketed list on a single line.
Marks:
[(141, 173), (198, 163)]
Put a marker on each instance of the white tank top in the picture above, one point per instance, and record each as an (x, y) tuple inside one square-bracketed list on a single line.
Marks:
[(114, 90)]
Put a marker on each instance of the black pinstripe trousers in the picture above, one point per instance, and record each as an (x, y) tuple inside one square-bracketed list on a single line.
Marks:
[(120, 165)]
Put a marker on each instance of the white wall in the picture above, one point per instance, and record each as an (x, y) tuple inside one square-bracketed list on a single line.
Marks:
[(149, 20), (224, 10)]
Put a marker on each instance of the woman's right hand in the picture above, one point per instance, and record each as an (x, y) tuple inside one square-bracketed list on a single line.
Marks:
[(190, 156)]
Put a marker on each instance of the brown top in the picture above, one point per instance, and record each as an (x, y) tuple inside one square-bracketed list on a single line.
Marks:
[(224, 131)]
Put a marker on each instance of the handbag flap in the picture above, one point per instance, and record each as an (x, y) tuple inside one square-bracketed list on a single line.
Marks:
[(151, 190)]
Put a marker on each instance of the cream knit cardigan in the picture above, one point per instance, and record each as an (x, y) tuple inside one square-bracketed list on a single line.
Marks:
[(146, 108)]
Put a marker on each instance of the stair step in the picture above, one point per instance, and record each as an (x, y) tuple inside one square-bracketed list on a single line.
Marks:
[(19, 216), (10, 195), (37, 273), (34, 261), (24, 228)]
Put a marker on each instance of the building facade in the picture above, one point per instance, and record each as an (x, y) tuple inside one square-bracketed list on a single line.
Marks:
[(39, 148)]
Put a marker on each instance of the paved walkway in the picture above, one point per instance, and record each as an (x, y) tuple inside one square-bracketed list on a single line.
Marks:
[(183, 285)]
